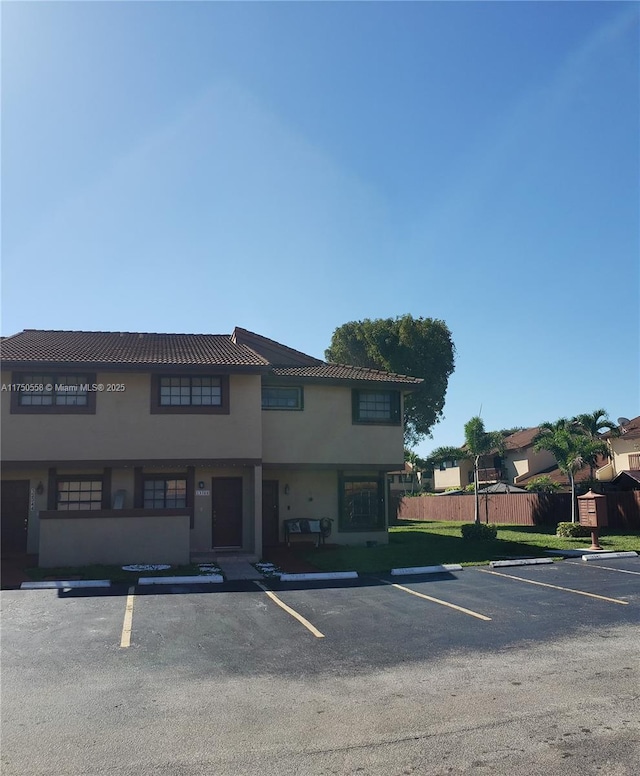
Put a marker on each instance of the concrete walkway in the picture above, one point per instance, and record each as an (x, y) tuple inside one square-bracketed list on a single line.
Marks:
[(238, 568)]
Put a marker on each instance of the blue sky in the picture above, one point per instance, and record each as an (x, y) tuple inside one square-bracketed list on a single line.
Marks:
[(289, 167)]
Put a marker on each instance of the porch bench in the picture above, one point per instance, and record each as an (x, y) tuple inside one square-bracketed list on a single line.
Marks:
[(319, 529)]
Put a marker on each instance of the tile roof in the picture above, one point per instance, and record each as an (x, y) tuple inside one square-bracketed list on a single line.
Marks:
[(127, 348), (242, 349), (344, 372), (633, 474), (274, 352), (555, 475), (631, 430), (521, 439)]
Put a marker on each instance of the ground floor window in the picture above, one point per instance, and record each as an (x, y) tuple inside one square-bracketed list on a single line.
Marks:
[(79, 493), (161, 492), (361, 503)]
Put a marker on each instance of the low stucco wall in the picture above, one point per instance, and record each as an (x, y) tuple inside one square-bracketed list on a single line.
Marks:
[(87, 538)]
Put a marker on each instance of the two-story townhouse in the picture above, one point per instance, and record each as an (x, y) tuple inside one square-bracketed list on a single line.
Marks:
[(517, 462), (138, 448), (623, 467)]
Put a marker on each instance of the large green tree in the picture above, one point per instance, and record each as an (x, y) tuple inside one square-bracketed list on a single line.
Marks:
[(420, 347), (571, 448), (592, 425)]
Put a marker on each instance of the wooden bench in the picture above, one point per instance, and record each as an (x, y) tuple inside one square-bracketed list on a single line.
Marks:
[(319, 529)]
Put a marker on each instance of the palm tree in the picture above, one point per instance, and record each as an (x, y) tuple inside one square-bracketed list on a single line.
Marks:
[(571, 449), (478, 442), (592, 425)]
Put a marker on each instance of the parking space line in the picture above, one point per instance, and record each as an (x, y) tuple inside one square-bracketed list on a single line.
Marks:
[(437, 601), (596, 566), (556, 587), (291, 611), (125, 639)]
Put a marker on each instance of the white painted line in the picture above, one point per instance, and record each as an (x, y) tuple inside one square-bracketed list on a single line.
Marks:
[(198, 580), (608, 568), (125, 638), (59, 584), (427, 569), (520, 562), (607, 555), (438, 601), (320, 575), (291, 611), (556, 587)]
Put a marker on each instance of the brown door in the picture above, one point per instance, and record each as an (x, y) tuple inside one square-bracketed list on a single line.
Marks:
[(226, 505), (270, 513), (14, 513)]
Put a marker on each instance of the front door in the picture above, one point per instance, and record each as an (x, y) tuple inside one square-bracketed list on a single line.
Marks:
[(14, 514), (226, 516), (270, 513)]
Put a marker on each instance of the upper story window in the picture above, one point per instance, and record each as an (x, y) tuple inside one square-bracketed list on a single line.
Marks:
[(190, 394), (53, 392), (376, 407), (282, 397), (448, 465)]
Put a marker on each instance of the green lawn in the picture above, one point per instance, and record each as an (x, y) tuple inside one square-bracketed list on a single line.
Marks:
[(417, 543)]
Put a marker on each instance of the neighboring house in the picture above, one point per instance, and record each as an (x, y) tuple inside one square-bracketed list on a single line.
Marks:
[(623, 469), (521, 461), (518, 461), (139, 448), (452, 474), (582, 477), (409, 480)]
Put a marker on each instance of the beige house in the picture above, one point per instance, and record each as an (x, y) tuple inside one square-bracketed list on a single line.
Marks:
[(518, 462), (624, 465), (140, 448)]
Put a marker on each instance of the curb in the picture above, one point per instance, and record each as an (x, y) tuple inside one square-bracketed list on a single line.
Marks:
[(59, 584), (524, 562), (199, 580), (569, 553), (599, 555), (320, 575), (427, 569)]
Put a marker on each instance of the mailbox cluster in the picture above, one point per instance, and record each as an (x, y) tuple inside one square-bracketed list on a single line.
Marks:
[(592, 513)]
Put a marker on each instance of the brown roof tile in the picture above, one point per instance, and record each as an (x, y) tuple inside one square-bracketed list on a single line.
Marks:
[(243, 349), (630, 430), (274, 352), (345, 372), (521, 439), (126, 348), (554, 473)]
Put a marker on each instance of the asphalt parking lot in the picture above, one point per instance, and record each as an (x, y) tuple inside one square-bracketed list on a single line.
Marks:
[(515, 670)]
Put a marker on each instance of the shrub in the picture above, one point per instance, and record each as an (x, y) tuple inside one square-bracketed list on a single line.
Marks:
[(573, 530), (479, 531), (543, 484)]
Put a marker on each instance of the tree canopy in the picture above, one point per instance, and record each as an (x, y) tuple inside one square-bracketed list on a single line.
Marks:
[(420, 347), (571, 448)]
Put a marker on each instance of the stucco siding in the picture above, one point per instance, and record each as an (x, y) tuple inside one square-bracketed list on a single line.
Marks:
[(79, 541), (324, 433), (622, 448), (124, 428), (313, 494)]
